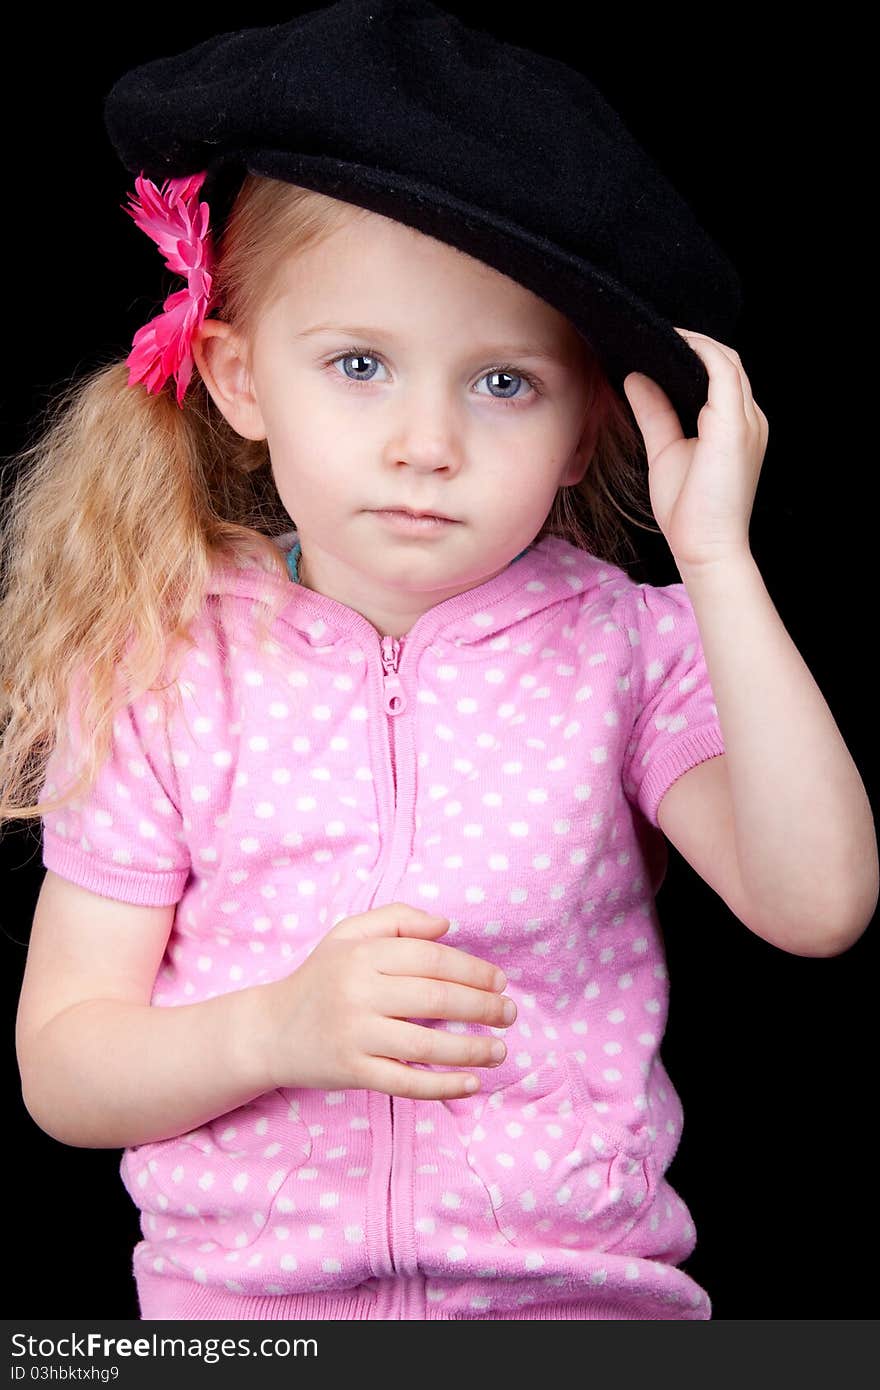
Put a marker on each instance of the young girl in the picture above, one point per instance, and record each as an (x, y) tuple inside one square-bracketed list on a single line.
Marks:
[(353, 818)]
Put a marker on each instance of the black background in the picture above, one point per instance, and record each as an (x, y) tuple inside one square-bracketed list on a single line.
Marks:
[(772, 1054)]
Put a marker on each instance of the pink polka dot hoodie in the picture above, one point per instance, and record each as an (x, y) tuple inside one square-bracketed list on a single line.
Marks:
[(500, 764)]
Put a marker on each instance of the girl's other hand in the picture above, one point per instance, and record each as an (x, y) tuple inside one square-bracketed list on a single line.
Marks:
[(703, 490), (341, 1019)]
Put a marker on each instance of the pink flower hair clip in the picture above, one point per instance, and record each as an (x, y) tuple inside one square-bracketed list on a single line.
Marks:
[(178, 223)]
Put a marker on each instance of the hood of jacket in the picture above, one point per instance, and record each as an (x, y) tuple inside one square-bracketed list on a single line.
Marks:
[(547, 573)]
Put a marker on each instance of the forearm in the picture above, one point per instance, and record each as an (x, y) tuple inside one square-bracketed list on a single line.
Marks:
[(108, 1074), (805, 835)]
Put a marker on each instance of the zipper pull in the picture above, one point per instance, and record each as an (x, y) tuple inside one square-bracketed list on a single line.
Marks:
[(395, 700)]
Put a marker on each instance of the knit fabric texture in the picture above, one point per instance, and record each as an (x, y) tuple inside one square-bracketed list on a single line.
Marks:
[(500, 764)]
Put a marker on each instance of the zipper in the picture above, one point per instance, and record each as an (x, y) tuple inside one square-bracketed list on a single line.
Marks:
[(395, 699), (395, 702), (392, 1234)]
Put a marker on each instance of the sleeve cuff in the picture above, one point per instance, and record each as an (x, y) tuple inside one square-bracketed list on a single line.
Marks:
[(693, 748), (147, 888)]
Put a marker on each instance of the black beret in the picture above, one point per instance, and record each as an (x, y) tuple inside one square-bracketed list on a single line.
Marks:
[(509, 155)]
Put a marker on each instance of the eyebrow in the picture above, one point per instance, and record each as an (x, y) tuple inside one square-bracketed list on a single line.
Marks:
[(490, 350)]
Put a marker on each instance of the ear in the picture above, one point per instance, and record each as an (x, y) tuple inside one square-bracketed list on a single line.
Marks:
[(220, 357), (582, 456)]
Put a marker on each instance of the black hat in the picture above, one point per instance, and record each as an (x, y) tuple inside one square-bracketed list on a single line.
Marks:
[(513, 157)]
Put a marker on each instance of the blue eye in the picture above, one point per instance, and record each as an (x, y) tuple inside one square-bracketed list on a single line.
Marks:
[(512, 375), (357, 356), (370, 356)]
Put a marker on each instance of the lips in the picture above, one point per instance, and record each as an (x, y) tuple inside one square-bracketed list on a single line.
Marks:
[(408, 511)]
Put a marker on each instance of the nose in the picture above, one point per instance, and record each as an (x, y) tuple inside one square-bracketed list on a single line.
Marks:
[(425, 432)]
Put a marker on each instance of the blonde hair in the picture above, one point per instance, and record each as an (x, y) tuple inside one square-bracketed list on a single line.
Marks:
[(119, 511)]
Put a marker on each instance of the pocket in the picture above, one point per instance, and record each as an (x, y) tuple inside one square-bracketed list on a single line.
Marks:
[(220, 1181), (556, 1172)]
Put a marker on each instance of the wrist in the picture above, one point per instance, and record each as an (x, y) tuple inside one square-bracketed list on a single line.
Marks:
[(708, 572), (249, 1034)]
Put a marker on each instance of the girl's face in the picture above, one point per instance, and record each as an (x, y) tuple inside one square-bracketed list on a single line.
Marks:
[(394, 371)]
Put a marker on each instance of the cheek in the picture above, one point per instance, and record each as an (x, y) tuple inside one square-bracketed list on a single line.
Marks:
[(298, 446), (528, 481), (314, 482), (297, 424)]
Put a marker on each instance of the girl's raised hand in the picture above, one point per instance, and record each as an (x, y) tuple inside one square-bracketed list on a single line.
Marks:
[(341, 1020), (702, 490)]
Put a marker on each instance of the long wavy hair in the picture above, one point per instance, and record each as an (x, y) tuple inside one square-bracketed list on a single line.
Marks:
[(117, 514)]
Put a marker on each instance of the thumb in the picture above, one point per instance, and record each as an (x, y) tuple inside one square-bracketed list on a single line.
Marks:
[(654, 412)]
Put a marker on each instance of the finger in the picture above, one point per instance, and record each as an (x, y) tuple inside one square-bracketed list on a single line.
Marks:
[(729, 386), (433, 960), (392, 919), (408, 1042), (403, 997), (396, 1079)]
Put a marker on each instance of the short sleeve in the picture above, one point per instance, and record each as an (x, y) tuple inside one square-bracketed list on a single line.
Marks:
[(124, 837), (675, 722)]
